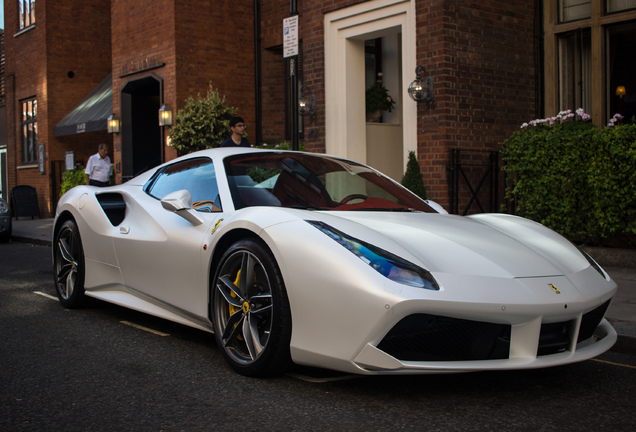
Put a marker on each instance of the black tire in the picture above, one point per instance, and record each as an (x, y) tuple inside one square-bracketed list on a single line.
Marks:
[(68, 266), (252, 321)]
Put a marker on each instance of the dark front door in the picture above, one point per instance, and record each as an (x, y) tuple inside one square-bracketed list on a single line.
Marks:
[(142, 146)]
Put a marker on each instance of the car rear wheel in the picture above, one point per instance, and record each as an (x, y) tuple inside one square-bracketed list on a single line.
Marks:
[(68, 262), (250, 310)]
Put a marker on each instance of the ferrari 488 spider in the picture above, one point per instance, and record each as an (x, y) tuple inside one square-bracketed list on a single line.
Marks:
[(291, 257)]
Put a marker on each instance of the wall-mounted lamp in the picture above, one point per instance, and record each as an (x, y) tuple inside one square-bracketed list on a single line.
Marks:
[(422, 90), (306, 102), (620, 91), (112, 124), (165, 116)]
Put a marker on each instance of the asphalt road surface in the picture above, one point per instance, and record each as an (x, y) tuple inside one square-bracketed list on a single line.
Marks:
[(106, 368)]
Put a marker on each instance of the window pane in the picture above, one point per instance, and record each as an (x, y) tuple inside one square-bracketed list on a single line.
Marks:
[(29, 131), (571, 10), (620, 5), (575, 71), (621, 66), (197, 176)]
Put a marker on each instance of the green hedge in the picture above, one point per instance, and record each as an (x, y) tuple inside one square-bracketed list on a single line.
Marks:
[(72, 178), (574, 177)]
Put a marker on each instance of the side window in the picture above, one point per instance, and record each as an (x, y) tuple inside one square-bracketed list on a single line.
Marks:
[(197, 176)]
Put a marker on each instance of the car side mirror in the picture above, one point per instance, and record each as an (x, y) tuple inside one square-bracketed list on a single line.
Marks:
[(180, 203)]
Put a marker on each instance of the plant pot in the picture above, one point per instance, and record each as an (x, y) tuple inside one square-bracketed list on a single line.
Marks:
[(374, 116)]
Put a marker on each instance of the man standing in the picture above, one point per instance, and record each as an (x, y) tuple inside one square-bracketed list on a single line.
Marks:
[(98, 168), (237, 139)]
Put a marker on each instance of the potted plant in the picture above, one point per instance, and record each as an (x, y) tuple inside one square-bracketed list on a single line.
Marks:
[(378, 100)]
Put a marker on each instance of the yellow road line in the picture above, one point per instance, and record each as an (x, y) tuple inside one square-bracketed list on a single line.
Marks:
[(614, 364), (149, 330)]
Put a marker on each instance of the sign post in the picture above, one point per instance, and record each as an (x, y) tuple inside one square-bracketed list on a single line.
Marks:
[(290, 51)]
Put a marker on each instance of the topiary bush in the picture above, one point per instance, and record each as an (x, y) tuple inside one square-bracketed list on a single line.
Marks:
[(413, 179), (203, 123), (569, 175)]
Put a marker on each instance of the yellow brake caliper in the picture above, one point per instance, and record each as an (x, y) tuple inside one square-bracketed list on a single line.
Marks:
[(231, 308)]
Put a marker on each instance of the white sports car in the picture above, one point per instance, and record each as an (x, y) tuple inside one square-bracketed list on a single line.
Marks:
[(321, 261)]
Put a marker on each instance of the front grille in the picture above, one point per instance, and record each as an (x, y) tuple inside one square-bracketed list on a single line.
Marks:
[(423, 337), (591, 320), (554, 338)]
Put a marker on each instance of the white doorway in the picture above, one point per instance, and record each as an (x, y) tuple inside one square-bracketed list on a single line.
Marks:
[(384, 146)]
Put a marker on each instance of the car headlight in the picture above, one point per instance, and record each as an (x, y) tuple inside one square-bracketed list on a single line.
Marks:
[(4, 208), (387, 264)]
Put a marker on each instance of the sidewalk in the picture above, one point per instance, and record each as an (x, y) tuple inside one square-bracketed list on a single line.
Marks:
[(621, 266)]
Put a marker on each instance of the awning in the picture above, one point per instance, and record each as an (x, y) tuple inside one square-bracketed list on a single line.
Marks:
[(91, 113)]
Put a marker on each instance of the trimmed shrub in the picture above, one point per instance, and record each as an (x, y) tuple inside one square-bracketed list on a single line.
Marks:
[(413, 179), (202, 123), (573, 177)]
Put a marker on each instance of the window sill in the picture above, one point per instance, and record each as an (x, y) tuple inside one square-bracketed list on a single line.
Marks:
[(28, 166), (24, 30)]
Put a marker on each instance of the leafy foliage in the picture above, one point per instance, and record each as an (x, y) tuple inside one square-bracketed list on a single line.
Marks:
[(202, 123), (72, 178), (574, 178), (377, 97), (413, 179)]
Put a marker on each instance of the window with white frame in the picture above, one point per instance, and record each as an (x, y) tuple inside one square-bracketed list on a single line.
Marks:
[(27, 13), (29, 125)]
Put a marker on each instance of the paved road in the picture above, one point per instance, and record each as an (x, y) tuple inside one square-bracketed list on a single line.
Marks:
[(87, 370)]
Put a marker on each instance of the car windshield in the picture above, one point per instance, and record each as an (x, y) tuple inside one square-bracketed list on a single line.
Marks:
[(309, 181)]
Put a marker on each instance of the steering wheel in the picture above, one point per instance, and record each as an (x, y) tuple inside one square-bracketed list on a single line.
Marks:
[(352, 197)]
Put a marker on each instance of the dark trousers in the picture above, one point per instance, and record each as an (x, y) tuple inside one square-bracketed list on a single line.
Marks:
[(98, 183)]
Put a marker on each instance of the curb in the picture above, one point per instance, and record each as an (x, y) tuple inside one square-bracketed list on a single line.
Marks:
[(38, 242)]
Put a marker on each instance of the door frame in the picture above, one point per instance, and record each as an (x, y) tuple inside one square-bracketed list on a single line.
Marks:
[(345, 32)]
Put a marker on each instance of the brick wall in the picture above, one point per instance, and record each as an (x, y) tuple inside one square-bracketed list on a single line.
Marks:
[(58, 61), (480, 54)]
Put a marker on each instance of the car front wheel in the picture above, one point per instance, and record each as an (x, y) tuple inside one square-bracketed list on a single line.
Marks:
[(68, 262), (250, 310)]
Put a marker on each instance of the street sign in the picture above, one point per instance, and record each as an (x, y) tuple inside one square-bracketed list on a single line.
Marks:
[(290, 36)]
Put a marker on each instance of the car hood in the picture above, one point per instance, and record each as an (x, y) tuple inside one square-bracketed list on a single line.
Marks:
[(494, 245)]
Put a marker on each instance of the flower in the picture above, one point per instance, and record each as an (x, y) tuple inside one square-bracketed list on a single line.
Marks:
[(615, 120), (560, 118), (378, 98)]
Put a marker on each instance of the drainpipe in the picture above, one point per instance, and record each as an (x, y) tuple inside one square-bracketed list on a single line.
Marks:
[(257, 74)]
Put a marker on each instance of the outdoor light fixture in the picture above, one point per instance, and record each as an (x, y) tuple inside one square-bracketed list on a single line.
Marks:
[(620, 91), (112, 123), (422, 90), (306, 102), (165, 116)]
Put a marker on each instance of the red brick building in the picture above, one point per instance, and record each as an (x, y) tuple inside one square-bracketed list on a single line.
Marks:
[(494, 65)]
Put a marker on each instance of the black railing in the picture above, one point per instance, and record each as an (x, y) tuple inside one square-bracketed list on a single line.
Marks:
[(474, 181)]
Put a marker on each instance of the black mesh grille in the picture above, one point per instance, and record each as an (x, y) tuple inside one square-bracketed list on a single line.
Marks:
[(554, 338), (423, 337), (591, 320)]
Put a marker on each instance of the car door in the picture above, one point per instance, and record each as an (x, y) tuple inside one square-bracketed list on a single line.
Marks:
[(162, 255)]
